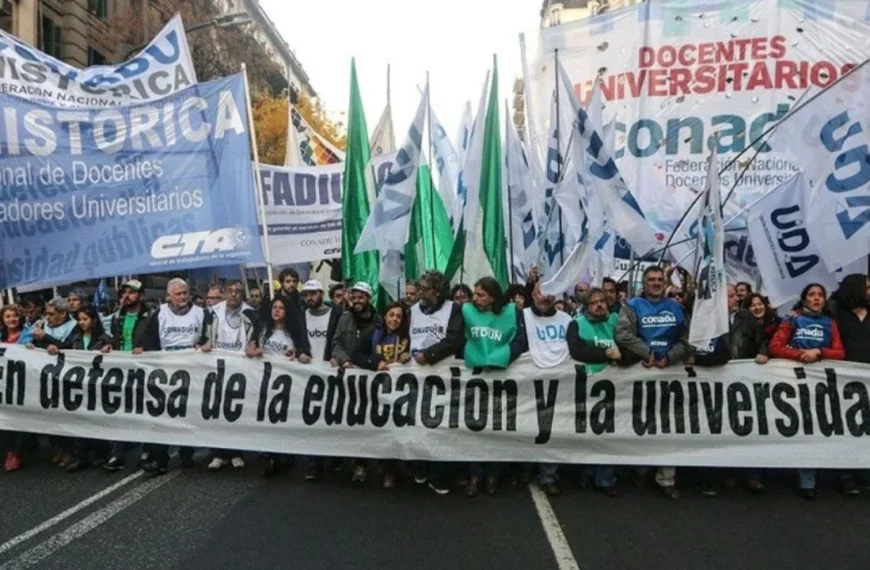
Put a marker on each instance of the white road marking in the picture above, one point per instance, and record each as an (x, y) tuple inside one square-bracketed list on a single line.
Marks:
[(12, 543), (564, 557), (87, 524)]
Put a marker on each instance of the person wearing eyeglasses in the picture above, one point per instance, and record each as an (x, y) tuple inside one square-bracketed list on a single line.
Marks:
[(654, 329), (214, 296)]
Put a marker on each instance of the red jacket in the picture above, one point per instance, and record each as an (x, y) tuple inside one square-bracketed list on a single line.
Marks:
[(779, 345)]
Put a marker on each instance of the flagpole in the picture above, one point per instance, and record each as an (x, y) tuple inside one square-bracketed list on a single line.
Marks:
[(431, 165), (758, 139), (259, 189), (510, 228), (558, 159)]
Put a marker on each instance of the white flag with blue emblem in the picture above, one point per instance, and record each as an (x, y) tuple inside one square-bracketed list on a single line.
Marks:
[(388, 224), (623, 211), (710, 313), (521, 224), (835, 147)]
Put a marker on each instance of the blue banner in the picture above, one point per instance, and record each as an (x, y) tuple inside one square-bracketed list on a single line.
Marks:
[(164, 186)]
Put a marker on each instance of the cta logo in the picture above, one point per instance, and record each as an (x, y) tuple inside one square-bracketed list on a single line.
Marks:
[(199, 243)]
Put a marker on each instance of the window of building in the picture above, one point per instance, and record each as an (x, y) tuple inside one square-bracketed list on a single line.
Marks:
[(6, 16), (96, 58), (51, 38), (99, 8)]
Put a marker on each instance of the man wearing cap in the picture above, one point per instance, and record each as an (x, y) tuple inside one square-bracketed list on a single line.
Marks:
[(358, 322), (128, 323), (319, 319)]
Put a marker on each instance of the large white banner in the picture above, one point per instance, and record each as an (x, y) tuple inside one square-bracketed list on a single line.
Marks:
[(162, 68), (743, 414), (303, 209), (675, 72)]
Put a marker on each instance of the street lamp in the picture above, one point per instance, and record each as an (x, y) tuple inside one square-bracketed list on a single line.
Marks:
[(223, 21)]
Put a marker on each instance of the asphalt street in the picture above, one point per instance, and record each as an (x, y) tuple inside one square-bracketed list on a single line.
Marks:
[(237, 519)]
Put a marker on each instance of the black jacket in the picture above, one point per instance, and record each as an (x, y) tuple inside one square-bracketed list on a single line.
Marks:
[(855, 335), (334, 315), (117, 325), (76, 341), (745, 339), (453, 342)]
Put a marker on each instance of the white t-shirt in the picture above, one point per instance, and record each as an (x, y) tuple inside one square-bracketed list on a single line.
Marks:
[(229, 325), (317, 330), (427, 330), (178, 332), (547, 336), (279, 343)]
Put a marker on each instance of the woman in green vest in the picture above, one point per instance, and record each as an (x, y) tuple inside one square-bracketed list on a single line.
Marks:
[(490, 330)]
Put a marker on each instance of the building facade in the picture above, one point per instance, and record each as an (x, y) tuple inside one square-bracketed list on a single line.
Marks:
[(77, 31)]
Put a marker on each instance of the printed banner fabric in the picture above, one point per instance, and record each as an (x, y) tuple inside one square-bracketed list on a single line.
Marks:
[(162, 68), (740, 415), (677, 72), (88, 193), (303, 209)]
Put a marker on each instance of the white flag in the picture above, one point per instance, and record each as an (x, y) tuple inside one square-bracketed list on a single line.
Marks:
[(388, 224), (463, 138), (520, 222), (786, 254), (448, 166), (835, 146), (622, 209), (710, 313), (383, 140)]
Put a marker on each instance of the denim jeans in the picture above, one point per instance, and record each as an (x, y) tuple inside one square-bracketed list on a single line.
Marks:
[(547, 473), (807, 478), (604, 475)]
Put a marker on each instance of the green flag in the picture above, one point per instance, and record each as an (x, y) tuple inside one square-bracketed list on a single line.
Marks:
[(355, 202), (481, 250), (491, 207)]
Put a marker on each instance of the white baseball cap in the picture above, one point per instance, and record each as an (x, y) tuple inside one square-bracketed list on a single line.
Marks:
[(362, 286), (313, 285)]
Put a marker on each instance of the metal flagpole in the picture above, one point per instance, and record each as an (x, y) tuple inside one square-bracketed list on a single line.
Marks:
[(510, 227), (431, 166), (257, 184), (558, 160)]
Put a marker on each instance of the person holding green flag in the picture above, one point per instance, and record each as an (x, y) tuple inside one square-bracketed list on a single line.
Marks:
[(491, 326), (591, 341)]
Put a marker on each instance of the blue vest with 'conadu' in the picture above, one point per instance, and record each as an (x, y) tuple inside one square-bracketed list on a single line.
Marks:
[(811, 332), (658, 323)]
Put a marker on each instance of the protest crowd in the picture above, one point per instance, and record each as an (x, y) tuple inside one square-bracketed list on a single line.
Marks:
[(487, 326)]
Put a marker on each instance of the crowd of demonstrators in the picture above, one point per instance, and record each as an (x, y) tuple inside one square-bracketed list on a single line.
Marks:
[(487, 326)]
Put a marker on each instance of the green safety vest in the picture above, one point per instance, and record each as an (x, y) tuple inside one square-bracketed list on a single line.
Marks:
[(599, 333), (488, 336)]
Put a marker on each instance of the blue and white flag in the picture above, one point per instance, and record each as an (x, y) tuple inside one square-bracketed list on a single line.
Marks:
[(463, 137), (710, 313), (838, 155), (786, 254), (448, 166), (521, 223), (622, 209), (389, 222), (91, 193)]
